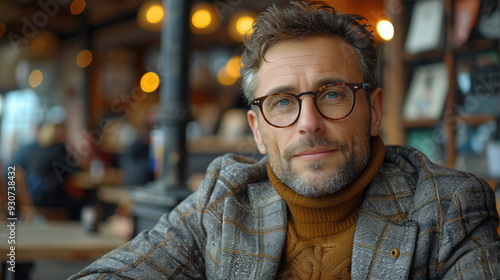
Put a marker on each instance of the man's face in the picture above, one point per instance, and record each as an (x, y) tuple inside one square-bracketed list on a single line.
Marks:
[(315, 156)]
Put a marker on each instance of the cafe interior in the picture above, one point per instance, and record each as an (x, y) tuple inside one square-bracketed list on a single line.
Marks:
[(128, 101)]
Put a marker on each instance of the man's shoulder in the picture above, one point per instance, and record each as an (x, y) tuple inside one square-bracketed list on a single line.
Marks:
[(417, 168), (237, 169), (411, 180), (235, 176), (426, 210)]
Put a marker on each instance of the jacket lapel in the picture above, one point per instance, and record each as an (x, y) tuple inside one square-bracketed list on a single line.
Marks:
[(385, 239), (382, 249), (253, 235)]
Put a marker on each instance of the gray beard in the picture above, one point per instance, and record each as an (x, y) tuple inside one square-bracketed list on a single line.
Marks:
[(354, 161)]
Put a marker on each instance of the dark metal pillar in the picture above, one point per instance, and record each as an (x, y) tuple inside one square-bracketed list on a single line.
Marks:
[(164, 194), (174, 106)]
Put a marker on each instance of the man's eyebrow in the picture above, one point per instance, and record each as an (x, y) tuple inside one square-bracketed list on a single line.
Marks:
[(281, 89), (328, 81), (292, 89)]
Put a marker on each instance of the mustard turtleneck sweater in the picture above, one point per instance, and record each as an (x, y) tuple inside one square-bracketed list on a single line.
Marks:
[(321, 230)]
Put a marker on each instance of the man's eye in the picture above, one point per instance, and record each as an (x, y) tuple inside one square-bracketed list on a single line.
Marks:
[(283, 102), (332, 95)]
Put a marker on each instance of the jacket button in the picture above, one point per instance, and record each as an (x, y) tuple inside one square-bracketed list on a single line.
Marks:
[(394, 253)]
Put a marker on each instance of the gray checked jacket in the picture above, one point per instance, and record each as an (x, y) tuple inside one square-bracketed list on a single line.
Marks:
[(417, 220)]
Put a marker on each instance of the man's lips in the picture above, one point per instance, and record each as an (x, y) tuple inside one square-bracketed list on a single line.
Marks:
[(315, 154)]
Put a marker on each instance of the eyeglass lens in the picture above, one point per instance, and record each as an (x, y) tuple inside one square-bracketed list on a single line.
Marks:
[(333, 102)]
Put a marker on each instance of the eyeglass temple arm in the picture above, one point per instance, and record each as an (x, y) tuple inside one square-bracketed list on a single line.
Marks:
[(366, 86)]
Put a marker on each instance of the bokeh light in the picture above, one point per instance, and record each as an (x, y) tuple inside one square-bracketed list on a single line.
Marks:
[(201, 19), (240, 25), (77, 7), (225, 78), (385, 29), (243, 24), (204, 18), (36, 78), (151, 15), (154, 14), (150, 82), (233, 66), (84, 58), (44, 44), (37, 45)]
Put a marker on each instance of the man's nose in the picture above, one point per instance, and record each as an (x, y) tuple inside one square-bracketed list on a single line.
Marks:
[(310, 120)]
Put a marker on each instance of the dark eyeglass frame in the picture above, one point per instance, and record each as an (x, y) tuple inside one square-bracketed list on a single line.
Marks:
[(353, 86)]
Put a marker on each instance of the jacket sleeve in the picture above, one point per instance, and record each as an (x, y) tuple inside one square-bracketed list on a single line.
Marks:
[(173, 249), (470, 245)]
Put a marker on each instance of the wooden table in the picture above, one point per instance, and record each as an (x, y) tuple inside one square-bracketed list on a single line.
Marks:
[(115, 194), (57, 241)]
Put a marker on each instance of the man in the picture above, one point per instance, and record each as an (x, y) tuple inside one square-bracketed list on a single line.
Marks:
[(329, 201)]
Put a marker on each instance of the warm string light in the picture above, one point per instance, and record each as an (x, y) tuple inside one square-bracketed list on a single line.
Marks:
[(233, 66), (44, 44), (240, 25), (204, 19), (154, 14), (243, 24), (37, 45), (36, 78), (385, 29), (201, 19), (230, 73), (150, 82), (225, 78), (150, 15), (84, 58), (77, 7)]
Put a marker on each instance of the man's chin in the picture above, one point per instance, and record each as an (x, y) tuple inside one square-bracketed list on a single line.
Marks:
[(315, 178), (316, 168), (311, 188)]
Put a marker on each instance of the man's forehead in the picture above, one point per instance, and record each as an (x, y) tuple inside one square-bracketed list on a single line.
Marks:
[(334, 45), (316, 57), (313, 51)]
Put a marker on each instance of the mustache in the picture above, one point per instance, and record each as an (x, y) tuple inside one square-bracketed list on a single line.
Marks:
[(312, 142)]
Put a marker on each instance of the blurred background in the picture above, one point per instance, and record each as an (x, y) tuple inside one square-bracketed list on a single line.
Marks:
[(133, 98)]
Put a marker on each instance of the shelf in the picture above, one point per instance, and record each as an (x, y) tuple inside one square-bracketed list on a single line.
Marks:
[(399, 70), (476, 45), (474, 120), (421, 123), (429, 56)]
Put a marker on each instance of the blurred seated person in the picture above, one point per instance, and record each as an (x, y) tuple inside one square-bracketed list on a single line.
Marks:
[(135, 160), (48, 167)]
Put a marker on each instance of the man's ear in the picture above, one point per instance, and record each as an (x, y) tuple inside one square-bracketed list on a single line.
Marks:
[(377, 105), (253, 121)]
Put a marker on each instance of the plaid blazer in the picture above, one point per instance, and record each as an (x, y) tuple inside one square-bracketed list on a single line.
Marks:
[(418, 220)]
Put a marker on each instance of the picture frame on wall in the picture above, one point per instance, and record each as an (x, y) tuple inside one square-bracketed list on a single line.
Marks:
[(425, 32), (427, 93)]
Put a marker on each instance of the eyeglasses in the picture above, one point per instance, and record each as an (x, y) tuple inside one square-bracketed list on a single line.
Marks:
[(333, 102)]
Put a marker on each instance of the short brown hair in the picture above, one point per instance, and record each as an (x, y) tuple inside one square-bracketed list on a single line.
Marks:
[(299, 20)]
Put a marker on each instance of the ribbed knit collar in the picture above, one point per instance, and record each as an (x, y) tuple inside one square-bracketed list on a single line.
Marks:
[(327, 215)]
